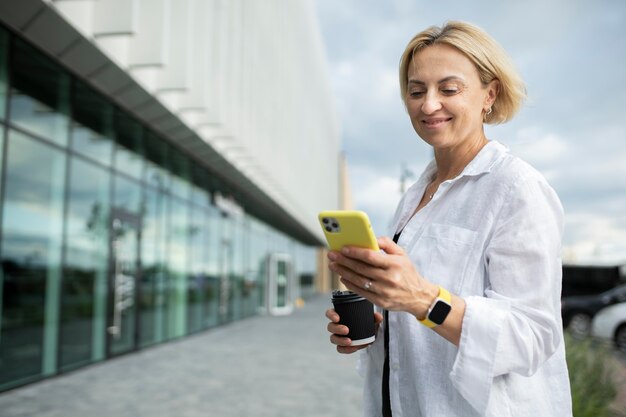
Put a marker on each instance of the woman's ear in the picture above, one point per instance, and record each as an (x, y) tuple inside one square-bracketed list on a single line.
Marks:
[(493, 88)]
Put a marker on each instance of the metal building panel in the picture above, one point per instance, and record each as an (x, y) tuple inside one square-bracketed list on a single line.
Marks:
[(115, 17), (80, 13), (84, 58), (16, 14), (150, 42), (175, 74), (50, 31)]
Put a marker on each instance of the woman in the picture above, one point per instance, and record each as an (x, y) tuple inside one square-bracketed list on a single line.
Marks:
[(471, 291)]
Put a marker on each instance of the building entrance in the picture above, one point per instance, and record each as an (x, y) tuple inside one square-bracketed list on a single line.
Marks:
[(280, 287)]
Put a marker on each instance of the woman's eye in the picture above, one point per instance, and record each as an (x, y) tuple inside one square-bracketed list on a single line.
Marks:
[(450, 90), (416, 93)]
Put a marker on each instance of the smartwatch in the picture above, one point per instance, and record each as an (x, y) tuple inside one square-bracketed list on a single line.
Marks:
[(439, 309)]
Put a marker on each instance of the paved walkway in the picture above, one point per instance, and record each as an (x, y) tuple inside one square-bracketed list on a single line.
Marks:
[(262, 366)]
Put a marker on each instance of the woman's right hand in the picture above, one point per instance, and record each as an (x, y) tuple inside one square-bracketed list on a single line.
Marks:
[(338, 332)]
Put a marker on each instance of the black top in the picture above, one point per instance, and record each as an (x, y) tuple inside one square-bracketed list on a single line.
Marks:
[(386, 398)]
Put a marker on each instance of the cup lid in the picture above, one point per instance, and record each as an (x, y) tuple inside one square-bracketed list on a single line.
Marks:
[(346, 296)]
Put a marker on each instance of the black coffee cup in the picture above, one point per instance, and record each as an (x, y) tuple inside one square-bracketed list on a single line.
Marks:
[(356, 313)]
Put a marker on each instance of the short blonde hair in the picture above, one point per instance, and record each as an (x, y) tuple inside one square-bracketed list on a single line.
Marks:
[(490, 59)]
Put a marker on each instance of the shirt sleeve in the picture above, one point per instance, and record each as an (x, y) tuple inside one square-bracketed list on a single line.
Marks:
[(516, 326)]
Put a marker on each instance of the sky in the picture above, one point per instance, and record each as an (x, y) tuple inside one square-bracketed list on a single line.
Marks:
[(572, 128)]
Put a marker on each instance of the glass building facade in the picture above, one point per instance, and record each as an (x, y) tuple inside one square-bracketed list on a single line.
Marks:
[(111, 238)]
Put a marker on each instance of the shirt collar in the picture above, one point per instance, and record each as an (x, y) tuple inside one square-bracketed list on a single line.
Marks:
[(482, 163)]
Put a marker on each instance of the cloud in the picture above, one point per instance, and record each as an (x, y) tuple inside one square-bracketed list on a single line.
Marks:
[(538, 147), (571, 129), (375, 193)]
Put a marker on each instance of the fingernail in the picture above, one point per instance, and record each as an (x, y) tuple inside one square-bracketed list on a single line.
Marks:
[(332, 256), (345, 251)]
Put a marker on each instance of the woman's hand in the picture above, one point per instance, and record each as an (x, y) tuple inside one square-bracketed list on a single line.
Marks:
[(388, 279), (338, 332)]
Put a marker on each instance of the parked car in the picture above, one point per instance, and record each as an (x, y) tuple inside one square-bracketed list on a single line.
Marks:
[(579, 310), (610, 324)]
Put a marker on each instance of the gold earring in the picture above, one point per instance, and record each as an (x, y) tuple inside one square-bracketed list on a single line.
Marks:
[(487, 114)]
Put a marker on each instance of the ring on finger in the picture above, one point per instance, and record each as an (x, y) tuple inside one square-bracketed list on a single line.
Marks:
[(368, 284)]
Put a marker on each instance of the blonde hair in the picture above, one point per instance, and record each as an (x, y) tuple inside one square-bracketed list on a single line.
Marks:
[(490, 59)]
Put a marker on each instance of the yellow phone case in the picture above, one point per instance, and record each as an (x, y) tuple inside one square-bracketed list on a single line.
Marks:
[(347, 228)]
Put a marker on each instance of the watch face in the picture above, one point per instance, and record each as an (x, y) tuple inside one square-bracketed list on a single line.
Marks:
[(439, 312)]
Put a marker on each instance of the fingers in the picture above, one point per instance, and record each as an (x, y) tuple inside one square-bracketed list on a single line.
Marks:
[(378, 318), (332, 315), (344, 344), (367, 257), (338, 329), (389, 246), (362, 275)]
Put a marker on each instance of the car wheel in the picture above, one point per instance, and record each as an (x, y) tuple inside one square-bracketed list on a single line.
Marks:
[(579, 325), (620, 338)]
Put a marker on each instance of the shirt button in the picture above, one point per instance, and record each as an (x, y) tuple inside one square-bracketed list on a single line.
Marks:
[(395, 366)]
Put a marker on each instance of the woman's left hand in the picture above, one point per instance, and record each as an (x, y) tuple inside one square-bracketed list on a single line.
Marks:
[(388, 279)]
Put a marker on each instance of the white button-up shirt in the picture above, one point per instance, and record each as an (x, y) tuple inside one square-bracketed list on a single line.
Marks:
[(492, 236)]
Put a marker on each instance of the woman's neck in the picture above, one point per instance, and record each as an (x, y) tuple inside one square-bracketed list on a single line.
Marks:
[(452, 161)]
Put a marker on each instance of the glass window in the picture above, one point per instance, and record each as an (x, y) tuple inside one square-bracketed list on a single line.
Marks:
[(127, 195), (4, 52), (181, 174), (199, 190), (153, 276), (31, 258), (257, 257), (129, 149), (92, 127), (155, 173), (306, 265), (249, 287), (125, 268), (83, 313), (226, 269), (40, 94), (177, 266), (197, 277), (212, 267)]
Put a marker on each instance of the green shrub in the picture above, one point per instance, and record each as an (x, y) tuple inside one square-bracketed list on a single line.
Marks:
[(591, 378)]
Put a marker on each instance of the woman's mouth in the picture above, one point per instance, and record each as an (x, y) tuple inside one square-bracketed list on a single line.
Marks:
[(436, 121)]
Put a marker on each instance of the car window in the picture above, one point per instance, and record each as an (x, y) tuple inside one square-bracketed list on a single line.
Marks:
[(619, 293)]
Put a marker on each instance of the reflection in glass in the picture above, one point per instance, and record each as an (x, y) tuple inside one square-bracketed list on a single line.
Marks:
[(129, 149), (197, 281), (152, 291), (212, 267), (125, 268), (127, 194), (306, 266), (156, 159), (177, 266), (239, 292), (123, 274), (4, 52), (83, 313), (40, 94), (181, 173), (31, 258), (257, 256), (92, 126), (225, 256)]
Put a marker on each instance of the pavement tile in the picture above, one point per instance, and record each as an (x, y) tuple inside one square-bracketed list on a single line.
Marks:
[(261, 366)]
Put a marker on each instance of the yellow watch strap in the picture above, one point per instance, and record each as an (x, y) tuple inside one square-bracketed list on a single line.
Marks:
[(443, 295)]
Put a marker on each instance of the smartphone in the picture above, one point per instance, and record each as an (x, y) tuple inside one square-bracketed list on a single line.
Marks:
[(347, 228)]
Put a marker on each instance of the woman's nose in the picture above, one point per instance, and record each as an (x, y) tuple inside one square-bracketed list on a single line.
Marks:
[(431, 103)]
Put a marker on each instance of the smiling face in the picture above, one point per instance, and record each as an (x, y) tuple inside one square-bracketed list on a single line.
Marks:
[(445, 97)]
